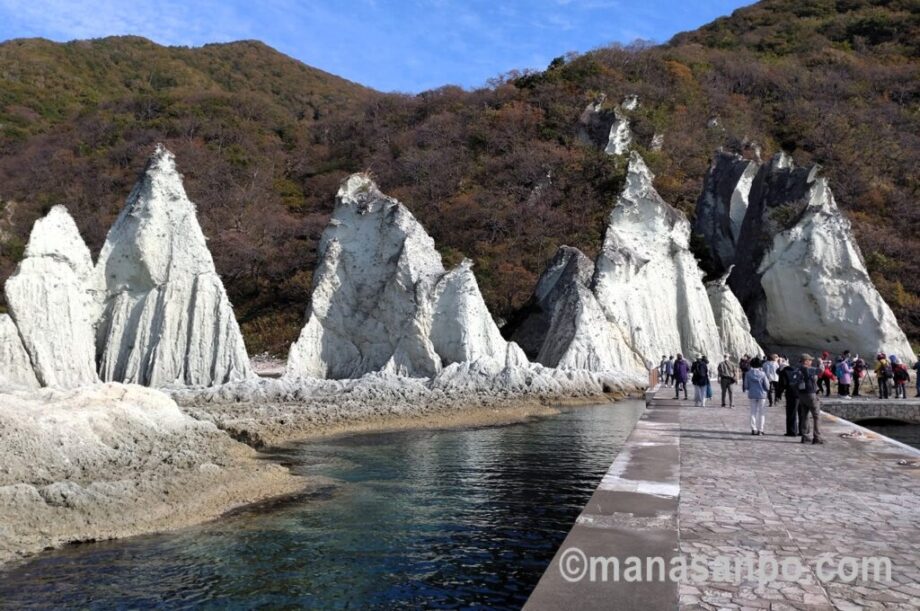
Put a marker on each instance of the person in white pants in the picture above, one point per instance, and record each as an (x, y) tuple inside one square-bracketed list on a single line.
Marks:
[(758, 388)]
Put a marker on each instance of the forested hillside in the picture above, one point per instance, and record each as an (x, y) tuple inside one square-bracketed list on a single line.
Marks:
[(498, 174)]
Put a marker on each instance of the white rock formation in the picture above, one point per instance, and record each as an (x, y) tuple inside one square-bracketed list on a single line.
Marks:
[(647, 280), (799, 274), (817, 291), (657, 142), (382, 300), (15, 368), (112, 460), (620, 138), (734, 328), (723, 204), (49, 301), (165, 316)]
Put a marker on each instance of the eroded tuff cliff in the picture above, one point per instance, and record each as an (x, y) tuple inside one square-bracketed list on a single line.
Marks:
[(382, 300), (50, 304), (734, 327), (643, 297), (646, 279), (15, 368), (799, 273), (165, 318)]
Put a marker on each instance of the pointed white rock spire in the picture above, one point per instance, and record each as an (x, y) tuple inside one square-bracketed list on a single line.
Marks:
[(383, 301), (165, 316), (647, 280), (49, 302)]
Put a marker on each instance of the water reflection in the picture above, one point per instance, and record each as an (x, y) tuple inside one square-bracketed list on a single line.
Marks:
[(422, 518)]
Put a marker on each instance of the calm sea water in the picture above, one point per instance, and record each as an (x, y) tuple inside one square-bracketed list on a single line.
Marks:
[(453, 518), (905, 433)]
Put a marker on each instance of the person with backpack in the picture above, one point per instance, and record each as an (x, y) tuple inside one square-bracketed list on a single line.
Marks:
[(859, 372), (901, 376), (700, 381), (844, 376), (788, 385), (681, 371), (884, 373), (728, 377), (809, 401), (744, 365), (757, 390)]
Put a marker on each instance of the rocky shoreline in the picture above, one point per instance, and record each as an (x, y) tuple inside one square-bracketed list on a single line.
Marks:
[(110, 461)]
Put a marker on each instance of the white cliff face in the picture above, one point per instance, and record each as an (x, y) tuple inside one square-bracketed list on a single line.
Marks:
[(581, 337), (647, 280), (734, 328), (15, 368), (49, 301), (630, 102), (620, 138), (817, 290), (165, 318), (462, 329), (382, 300)]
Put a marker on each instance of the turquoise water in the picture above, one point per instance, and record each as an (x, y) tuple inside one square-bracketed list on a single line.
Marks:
[(443, 519)]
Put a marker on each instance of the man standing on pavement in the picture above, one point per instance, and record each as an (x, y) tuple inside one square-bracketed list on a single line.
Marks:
[(809, 404), (770, 368), (728, 376), (788, 385)]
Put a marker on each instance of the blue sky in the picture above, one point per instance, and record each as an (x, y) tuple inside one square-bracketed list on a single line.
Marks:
[(391, 45)]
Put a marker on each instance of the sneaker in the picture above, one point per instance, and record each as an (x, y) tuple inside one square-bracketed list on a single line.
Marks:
[(804, 440), (753, 432), (817, 442), (761, 433)]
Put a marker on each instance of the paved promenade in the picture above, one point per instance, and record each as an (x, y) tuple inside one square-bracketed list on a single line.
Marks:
[(727, 495)]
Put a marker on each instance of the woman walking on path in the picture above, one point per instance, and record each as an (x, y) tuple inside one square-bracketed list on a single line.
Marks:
[(827, 374), (757, 390), (844, 377)]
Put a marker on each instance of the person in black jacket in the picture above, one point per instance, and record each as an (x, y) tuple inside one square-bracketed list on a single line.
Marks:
[(788, 385)]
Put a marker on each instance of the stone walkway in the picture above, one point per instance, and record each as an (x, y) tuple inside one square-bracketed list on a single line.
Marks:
[(769, 499)]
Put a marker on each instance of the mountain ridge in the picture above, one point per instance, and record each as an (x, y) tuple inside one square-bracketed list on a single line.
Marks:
[(496, 174)]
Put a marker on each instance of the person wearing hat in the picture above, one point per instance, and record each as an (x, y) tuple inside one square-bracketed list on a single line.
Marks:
[(809, 404), (728, 377), (884, 373)]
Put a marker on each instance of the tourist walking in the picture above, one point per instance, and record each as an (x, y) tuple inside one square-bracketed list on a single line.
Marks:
[(728, 377), (662, 368), (770, 369), (859, 372), (744, 365), (681, 372), (844, 376), (901, 377), (757, 390), (700, 381), (809, 403), (669, 371), (788, 386), (884, 374)]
